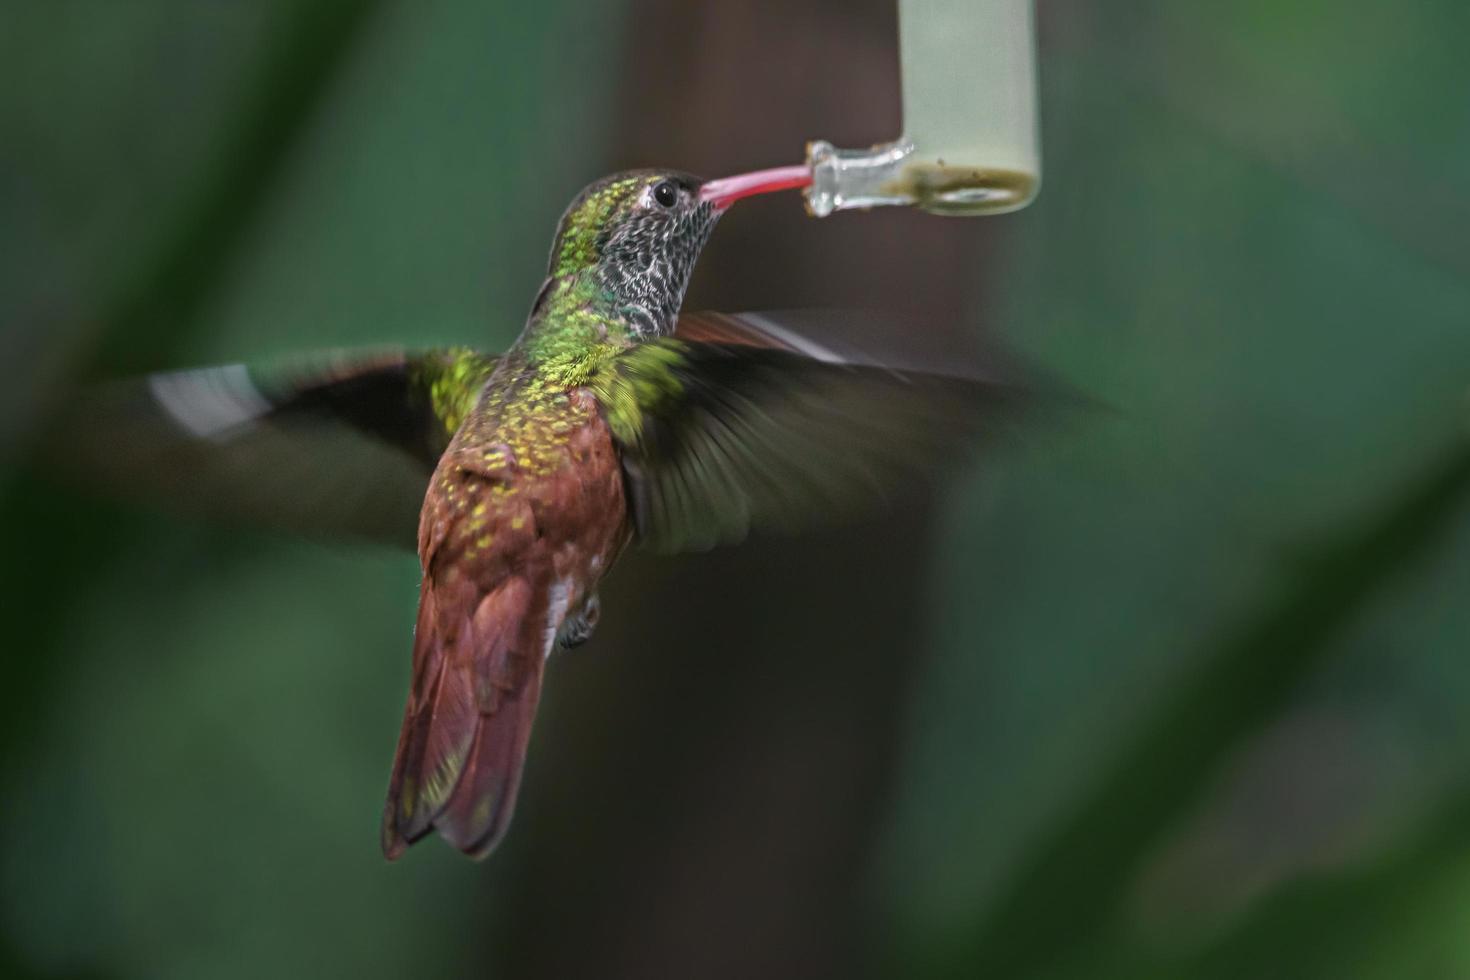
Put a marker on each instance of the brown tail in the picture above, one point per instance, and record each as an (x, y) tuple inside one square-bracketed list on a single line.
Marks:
[(476, 682)]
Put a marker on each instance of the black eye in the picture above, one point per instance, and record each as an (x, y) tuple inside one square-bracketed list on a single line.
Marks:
[(666, 194)]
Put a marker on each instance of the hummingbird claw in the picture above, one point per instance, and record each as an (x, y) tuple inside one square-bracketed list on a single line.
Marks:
[(577, 628)]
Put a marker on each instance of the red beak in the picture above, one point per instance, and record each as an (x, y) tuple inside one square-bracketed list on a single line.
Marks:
[(727, 190)]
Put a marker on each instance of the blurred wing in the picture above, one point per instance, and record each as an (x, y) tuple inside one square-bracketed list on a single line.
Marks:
[(342, 446), (886, 339), (754, 427)]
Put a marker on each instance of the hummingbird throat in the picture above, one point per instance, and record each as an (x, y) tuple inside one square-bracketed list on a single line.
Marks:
[(644, 269)]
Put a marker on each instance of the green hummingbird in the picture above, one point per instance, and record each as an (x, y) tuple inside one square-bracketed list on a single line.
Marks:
[(612, 418)]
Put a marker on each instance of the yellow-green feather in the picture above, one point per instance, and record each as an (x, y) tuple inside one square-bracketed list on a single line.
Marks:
[(637, 382), (454, 382), (586, 220)]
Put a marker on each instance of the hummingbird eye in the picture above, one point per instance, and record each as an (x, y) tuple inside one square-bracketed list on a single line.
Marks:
[(666, 194)]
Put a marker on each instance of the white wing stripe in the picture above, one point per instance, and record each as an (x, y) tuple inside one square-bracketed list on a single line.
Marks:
[(211, 402)]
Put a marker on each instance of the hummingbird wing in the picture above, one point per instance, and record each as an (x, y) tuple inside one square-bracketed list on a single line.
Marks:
[(341, 445), (738, 423)]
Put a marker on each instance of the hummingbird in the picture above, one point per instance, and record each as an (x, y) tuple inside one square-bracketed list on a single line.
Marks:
[(521, 477)]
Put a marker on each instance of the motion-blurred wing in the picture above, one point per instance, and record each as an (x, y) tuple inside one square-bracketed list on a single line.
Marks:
[(758, 428), (341, 446)]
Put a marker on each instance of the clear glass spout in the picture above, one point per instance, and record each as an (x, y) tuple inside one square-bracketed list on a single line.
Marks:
[(971, 142)]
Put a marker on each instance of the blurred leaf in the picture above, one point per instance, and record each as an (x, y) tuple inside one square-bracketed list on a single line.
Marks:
[(1071, 887), (1400, 915), (191, 715), (315, 40)]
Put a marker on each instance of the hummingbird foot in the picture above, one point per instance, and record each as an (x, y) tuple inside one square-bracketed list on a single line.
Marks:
[(577, 628)]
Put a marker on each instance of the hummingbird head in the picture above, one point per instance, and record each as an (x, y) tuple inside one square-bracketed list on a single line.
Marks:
[(638, 234)]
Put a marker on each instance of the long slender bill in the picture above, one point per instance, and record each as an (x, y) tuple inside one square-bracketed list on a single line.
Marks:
[(727, 190)]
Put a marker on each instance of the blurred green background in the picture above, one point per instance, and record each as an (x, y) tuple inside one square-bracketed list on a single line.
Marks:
[(1178, 691)]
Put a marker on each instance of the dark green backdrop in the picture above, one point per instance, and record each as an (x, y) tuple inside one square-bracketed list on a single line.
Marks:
[(1176, 689)]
